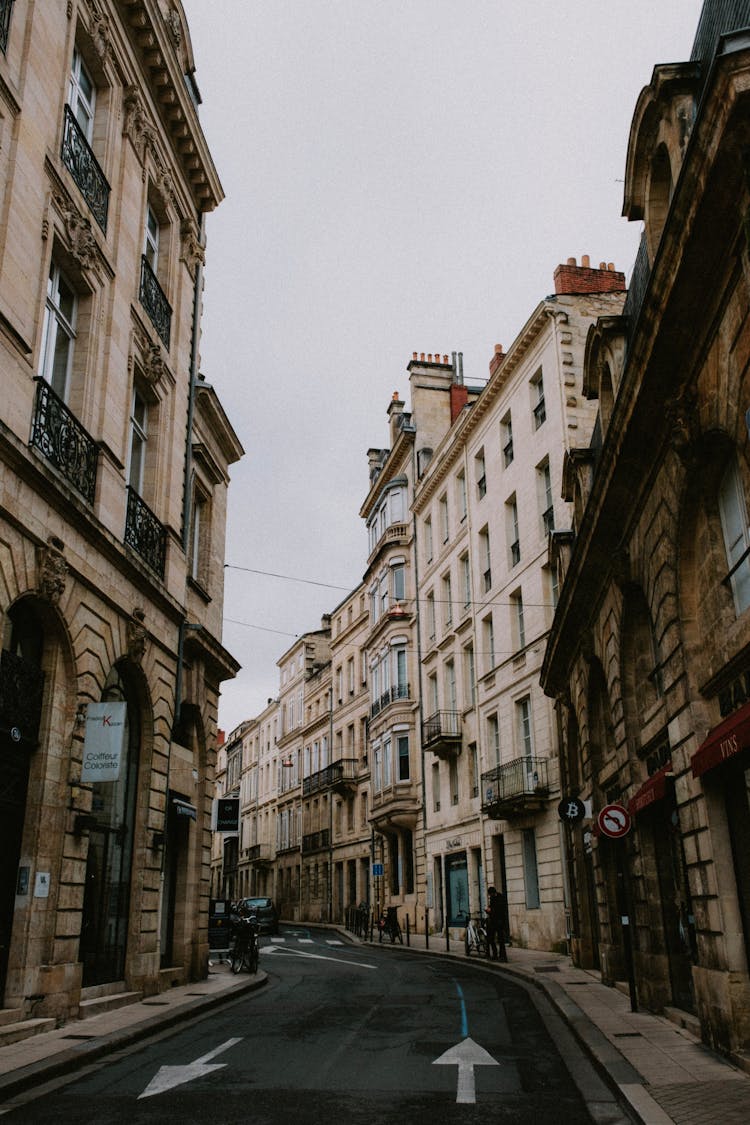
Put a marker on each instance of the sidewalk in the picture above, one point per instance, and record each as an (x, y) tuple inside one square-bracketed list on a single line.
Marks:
[(50, 1054), (663, 1071)]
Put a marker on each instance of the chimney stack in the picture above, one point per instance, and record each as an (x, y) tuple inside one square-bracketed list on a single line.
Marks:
[(574, 279)]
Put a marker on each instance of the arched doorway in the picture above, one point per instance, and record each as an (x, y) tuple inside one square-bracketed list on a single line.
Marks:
[(106, 903), (21, 684)]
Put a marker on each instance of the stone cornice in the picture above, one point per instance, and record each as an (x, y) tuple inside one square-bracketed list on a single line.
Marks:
[(163, 50)]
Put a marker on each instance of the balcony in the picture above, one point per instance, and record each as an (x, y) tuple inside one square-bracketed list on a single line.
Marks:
[(260, 854), (441, 734), (399, 691), (519, 786), (58, 434), (340, 776), (145, 534), (155, 303), (84, 168), (316, 841)]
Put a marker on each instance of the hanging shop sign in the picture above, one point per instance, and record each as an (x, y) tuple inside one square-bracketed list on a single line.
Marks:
[(226, 814), (104, 741), (571, 809)]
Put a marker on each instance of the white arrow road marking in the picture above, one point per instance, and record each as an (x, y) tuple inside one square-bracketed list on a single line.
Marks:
[(169, 1076), (466, 1056), (278, 951)]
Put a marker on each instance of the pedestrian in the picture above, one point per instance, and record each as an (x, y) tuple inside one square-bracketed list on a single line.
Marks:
[(496, 926)]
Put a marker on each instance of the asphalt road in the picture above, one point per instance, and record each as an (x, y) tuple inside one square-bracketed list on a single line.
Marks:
[(342, 1033)]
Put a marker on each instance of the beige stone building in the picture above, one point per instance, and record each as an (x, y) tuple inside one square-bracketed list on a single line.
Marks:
[(649, 655), (114, 458)]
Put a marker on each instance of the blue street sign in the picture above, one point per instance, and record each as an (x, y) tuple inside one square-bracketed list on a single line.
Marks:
[(377, 868)]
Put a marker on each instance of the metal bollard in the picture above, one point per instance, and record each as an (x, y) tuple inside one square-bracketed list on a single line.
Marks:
[(407, 929), (447, 937), (427, 928)]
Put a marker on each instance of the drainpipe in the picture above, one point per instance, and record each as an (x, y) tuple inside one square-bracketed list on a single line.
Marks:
[(186, 494), (420, 710)]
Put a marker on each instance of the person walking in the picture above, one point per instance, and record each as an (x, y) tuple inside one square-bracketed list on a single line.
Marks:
[(496, 926)]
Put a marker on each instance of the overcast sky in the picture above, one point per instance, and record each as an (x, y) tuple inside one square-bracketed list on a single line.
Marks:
[(400, 176)]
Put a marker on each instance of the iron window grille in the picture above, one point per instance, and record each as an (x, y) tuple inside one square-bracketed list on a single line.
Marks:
[(154, 302), (60, 437), (84, 168)]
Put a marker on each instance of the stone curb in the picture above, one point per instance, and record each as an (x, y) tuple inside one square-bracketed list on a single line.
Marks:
[(74, 1058)]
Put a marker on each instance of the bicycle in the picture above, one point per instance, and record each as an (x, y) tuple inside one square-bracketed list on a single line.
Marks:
[(244, 953), (475, 937), (390, 925)]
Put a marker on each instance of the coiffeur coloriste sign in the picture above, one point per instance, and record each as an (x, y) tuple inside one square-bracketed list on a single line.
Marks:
[(104, 741)]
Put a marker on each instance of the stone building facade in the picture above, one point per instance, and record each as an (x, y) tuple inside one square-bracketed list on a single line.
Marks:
[(650, 649), (486, 501), (114, 458)]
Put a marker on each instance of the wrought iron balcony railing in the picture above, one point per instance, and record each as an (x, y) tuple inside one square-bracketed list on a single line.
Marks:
[(315, 841), (154, 302), (145, 534), (259, 853), (398, 691), (5, 10), (84, 168), (441, 733), (57, 433), (522, 784), (337, 774)]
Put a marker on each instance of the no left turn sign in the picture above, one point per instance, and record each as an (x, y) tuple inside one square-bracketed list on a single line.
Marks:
[(614, 821)]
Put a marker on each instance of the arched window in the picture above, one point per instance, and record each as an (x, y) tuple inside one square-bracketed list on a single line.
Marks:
[(733, 512)]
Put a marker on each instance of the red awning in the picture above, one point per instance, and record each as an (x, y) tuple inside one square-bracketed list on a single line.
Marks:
[(653, 790), (725, 741)]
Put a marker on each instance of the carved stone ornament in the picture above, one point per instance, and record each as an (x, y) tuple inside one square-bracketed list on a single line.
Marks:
[(192, 252), (136, 125), (137, 635), (52, 570), (101, 34), (149, 359), (683, 421), (174, 23), (81, 239)]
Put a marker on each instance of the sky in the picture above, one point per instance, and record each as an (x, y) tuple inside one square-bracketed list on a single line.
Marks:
[(400, 176)]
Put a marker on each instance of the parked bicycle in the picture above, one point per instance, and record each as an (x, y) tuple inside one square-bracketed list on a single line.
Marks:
[(475, 937), (244, 953), (388, 925)]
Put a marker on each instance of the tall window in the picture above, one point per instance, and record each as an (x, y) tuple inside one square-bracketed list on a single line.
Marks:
[(402, 751), (428, 539), (511, 526), (473, 770), (387, 749), (400, 675), (485, 560), (398, 580), (138, 439), (200, 537), (465, 569), (506, 439), (480, 474), (447, 600), (525, 735), (538, 408), (488, 634), (451, 700), (444, 524), (435, 787), (736, 535), (470, 690), (59, 332), (151, 239), (453, 780), (519, 625), (431, 616), (493, 739), (461, 497), (546, 503), (81, 95)]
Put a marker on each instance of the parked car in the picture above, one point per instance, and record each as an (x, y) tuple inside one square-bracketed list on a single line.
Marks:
[(265, 912)]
